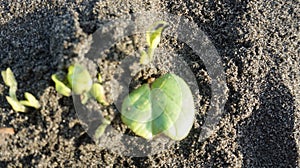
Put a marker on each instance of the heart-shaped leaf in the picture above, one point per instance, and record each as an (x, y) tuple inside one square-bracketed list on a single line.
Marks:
[(79, 79), (156, 108)]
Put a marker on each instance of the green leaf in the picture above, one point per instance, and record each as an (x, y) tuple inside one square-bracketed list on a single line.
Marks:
[(153, 35), (144, 58), (60, 87), (30, 101), (184, 123), (98, 93), (10, 81), (100, 78), (15, 104), (9, 78), (101, 128), (79, 79), (151, 110)]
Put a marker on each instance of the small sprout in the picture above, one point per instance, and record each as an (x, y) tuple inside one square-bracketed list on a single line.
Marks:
[(166, 106), (10, 81), (79, 79), (98, 93), (60, 86), (153, 35), (101, 128), (9, 78), (84, 97), (100, 78), (15, 104), (144, 58), (30, 101), (18, 106)]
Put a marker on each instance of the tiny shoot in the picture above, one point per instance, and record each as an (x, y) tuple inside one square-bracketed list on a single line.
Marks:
[(18, 106), (153, 35)]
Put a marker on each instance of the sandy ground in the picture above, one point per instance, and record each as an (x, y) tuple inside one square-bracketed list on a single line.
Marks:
[(259, 45)]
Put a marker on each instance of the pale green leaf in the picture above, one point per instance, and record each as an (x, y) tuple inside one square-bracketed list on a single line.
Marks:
[(10, 81), (151, 110), (98, 93), (184, 123), (15, 104), (101, 128), (30, 101), (144, 58), (60, 87), (153, 35), (100, 78), (9, 78), (79, 79)]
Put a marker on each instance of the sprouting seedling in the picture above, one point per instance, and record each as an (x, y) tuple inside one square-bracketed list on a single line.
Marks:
[(79, 81), (101, 128), (10, 81), (60, 86), (98, 93), (153, 35), (19, 106), (166, 106)]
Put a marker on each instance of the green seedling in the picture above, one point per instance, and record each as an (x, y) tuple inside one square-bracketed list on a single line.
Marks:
[(10, 81), (157, 108), (79, 81), (153, 35), (30, 101), (97, 92), (101, 128), (18, 106), (60, 86)]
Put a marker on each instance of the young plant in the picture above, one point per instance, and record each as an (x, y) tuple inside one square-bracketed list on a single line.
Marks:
[(153, 35), (79, 81), (165, 106), (18, 106)]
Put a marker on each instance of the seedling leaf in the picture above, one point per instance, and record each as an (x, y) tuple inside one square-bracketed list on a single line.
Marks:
[(15, 104), (101, 128), (30, 101), (184, 123), (144, 58), (153, 35), (60, 87), (9, 78), (151, 111), (79, 79), (98, 93), (100, 78), (10, 81)]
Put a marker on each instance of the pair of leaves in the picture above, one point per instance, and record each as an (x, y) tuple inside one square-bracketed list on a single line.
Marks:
[(78, 79), (19, 106), (153, 35), (166, 106), (81, 83)]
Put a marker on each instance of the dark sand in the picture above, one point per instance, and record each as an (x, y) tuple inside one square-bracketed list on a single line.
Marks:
[(257, 41)]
